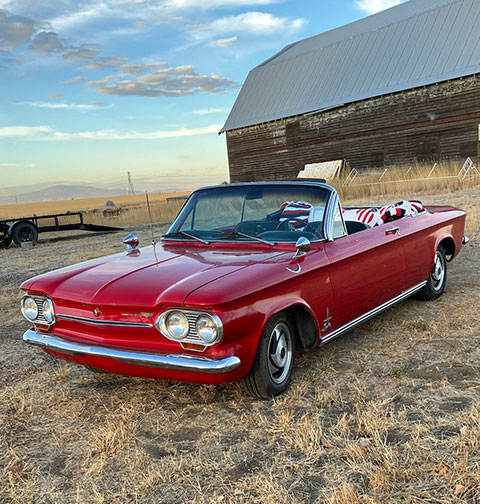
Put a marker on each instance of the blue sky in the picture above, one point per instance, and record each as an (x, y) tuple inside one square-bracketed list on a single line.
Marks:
[(92, 88)]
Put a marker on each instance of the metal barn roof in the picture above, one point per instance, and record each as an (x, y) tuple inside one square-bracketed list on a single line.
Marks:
[(416, 43)]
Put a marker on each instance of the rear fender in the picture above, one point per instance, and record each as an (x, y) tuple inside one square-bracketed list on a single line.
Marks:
[(451, 246)]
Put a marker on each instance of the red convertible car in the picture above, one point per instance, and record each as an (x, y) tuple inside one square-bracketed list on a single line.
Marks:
[(246, 275)]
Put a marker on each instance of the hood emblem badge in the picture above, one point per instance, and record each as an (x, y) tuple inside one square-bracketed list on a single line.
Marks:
[(96, 312)]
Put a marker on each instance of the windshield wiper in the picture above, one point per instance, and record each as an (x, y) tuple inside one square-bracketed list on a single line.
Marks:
[(183, 233), (252, 237)]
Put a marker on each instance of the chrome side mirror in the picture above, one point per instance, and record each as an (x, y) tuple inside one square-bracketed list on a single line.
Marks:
[(303, 246), (131, 241)]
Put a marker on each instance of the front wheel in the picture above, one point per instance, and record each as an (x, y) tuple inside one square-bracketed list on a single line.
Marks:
[(435, 285), (273, 365)]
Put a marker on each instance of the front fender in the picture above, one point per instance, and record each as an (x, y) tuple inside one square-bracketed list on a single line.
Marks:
[(244, 325)]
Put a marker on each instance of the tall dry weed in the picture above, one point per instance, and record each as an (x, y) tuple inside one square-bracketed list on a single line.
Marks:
[(405, 181)]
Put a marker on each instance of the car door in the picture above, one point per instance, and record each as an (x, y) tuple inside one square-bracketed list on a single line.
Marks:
[(367, 269), (307, 277), (418, 239)]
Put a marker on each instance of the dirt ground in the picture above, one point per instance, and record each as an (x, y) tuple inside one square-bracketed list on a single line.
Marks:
[(389, 413)]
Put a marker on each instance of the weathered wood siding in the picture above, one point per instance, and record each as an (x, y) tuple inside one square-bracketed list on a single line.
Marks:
[(438, 122)]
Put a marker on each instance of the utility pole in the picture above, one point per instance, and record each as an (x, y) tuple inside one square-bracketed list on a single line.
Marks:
[(130, 189)]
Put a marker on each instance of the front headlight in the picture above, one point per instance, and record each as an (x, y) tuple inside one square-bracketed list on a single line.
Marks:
[(177, 325), (47, 310), (29, 308), (207, 328), (193, 330), (38, 309)]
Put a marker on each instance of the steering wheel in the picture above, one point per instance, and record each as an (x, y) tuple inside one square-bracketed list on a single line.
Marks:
[(306, 225)]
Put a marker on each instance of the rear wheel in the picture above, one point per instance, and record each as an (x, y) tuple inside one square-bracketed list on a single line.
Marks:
[(435, 285), (24, 232), (272, 369)]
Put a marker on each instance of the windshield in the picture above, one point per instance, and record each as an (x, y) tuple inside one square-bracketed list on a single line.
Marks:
[(269, 213)]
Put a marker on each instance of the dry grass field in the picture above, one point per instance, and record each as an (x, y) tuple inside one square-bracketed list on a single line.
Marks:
[(130, 209), (387, 414)]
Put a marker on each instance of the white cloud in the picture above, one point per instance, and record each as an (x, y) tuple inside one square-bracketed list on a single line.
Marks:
[(214, 4), (171, 81), (73, 80), (15, 30), (25, 131), (259, 23), (49, 133), (71, 106), (373, 6), (211, 110), (82, 53), (104, 62), (84, 14), (17, 165), (225, 42), (136, 68), (46, 43)]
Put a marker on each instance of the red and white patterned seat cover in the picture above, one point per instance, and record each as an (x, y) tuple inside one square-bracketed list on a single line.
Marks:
[(379, 215), (298, 213)]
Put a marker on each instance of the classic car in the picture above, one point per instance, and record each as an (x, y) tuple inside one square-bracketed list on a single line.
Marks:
[(246, 275)]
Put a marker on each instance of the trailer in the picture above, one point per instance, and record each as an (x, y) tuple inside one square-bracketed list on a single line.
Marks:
[(26, 229)]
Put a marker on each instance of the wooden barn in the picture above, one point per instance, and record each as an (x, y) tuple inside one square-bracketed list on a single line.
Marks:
[(401, 86)]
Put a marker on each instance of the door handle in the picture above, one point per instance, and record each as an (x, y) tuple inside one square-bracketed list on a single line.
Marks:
[(393, 230)]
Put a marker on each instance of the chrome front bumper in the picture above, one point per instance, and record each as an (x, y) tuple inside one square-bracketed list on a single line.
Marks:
[(179, 362)]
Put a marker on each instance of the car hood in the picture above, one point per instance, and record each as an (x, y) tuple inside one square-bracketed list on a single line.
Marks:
[(148, 277)]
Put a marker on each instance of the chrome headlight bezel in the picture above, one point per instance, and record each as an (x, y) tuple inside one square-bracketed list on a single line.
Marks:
[(192, 337), (40, 302), (166, 328), (30, 313), (202, 333)]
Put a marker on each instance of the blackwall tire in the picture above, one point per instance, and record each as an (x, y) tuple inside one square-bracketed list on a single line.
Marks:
[(435, 285), (5, 241), (25, 232), (272, 369)]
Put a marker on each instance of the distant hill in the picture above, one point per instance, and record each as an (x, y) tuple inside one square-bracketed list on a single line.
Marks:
[(58, 192)]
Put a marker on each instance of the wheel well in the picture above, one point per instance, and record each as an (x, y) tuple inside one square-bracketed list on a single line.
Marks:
[(304, 324), (448, 245), (21, 222)]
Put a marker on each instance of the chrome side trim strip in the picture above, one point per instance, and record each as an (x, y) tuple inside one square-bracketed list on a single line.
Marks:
[(371, 313), (179, 362), (87, 320)]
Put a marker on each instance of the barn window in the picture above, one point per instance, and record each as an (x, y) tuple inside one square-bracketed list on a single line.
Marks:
[(377, 159), (292, 131)]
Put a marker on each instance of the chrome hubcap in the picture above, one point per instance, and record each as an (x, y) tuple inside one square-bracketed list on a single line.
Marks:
[(438, 271), (279, 352)]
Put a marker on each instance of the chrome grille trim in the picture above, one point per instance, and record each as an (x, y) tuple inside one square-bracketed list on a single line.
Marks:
[(193, 337), (39, 303), (101, 322)]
